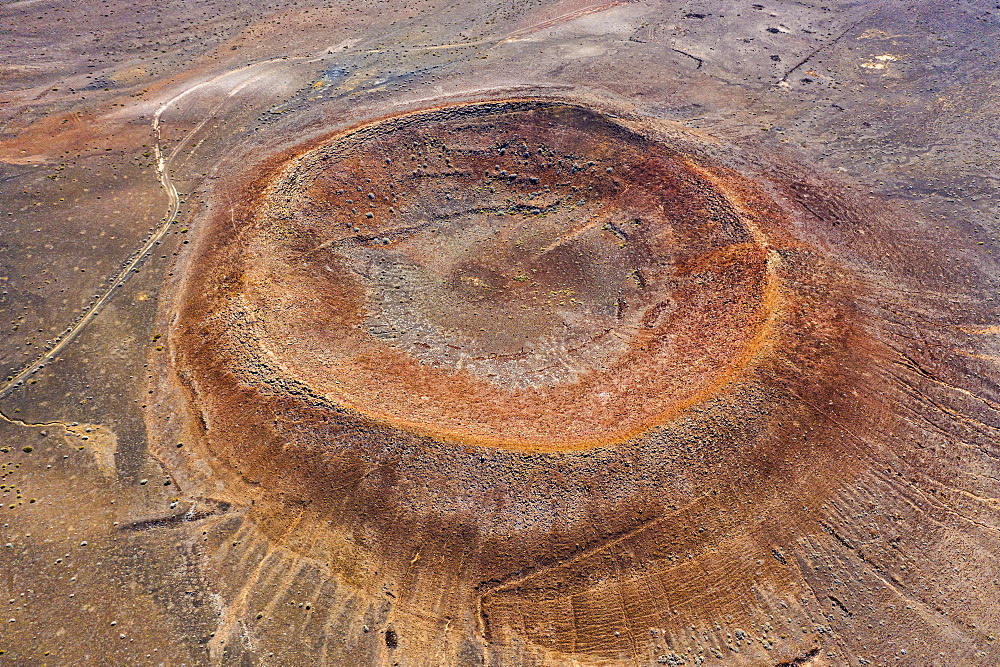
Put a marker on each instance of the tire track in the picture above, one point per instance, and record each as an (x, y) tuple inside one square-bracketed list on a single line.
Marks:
[(173, 208)]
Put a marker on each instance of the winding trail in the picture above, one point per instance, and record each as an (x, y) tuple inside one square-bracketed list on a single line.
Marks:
[(173, 208)]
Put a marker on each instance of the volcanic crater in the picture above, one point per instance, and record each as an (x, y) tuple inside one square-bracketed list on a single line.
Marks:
[(517, 333), (522, 275)]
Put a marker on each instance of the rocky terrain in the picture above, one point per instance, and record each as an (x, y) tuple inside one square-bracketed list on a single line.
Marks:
[(486, 333)]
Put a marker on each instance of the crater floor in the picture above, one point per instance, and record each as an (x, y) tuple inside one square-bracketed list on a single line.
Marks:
[(526, 275)]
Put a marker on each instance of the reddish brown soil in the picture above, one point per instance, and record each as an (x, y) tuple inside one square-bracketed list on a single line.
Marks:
[(524, 276), (733, 402), (355, 347)]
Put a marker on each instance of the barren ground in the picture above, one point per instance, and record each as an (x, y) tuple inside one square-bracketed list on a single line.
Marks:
[(491, 333)]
